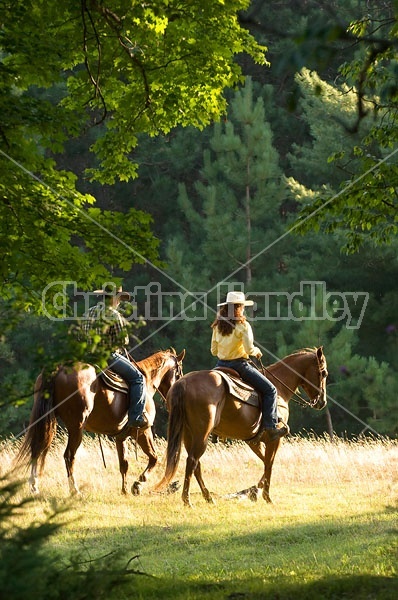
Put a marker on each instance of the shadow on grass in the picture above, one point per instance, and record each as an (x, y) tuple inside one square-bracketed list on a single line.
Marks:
[(358, 587), (355, 587), (287, 563), (264, 563)]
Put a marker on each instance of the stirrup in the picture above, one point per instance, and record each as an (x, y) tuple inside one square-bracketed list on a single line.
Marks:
[(124, 432), (257, 438)]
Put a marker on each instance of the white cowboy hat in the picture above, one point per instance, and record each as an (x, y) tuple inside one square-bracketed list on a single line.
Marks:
[(236, 298), (110, 290)]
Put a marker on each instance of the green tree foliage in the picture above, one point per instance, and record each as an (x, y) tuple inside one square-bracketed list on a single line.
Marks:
[(127, 68), (240, 175), (28, 568), (300, 35), (361, 389), (366, 203), (371, 269), (230, 213), (324, 108), (201, 254), (303, 137)]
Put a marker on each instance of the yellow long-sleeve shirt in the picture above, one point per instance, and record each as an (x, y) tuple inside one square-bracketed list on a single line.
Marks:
[(239, 344)]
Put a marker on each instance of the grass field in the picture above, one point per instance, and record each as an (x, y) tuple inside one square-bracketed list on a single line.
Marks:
[(330, 533)]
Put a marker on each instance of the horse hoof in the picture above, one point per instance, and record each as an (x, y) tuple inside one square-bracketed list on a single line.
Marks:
[(136, 488), (173, 487), (253, 493)]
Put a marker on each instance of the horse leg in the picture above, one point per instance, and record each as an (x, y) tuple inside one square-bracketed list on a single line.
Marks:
[(191, 465), (265, 481), (74, 441), (145, 441), (195, 451), (123, 463), (34, 478), (267, 456), (205, 492)]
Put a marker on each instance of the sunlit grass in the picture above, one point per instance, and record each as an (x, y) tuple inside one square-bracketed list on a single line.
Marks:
[(333, 516)]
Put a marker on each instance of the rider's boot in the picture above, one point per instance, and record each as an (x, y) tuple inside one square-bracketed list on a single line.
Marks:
[(272, 433), (276, 433), (136, 417), (139, 422)]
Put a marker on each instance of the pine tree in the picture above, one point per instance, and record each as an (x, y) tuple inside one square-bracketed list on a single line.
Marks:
[(361, 390), (238, 194)]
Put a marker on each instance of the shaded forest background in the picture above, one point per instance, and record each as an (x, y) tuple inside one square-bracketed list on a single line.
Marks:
[(221, 201)]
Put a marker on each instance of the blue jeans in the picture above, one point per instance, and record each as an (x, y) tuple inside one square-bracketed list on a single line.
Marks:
[(135, 380), (266, 389)]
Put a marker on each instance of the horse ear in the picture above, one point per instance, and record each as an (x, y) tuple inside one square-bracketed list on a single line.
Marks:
[(181, 356), (319, 352)]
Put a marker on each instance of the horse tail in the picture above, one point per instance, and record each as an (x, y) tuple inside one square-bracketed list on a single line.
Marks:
[(175, 399), (42, 424)]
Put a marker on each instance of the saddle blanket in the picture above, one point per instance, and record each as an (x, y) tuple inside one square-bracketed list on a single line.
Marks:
[(112, 380), (239, 389)]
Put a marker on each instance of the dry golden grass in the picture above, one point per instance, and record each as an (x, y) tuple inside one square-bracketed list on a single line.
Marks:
[(367, 468)]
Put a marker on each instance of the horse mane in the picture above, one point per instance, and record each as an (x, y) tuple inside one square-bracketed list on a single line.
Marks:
[(296, 353), (153, 363), (305, 350)]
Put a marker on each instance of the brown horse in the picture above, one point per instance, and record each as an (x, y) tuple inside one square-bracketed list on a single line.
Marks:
[(200, 404), (79, 398)]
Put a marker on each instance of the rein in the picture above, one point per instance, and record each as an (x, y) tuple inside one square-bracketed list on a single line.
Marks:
[(179, 374), (102, 450), (295, 396), (160, 393)]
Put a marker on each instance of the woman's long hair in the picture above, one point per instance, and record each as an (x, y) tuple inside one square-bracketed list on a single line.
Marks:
[(227, 318)]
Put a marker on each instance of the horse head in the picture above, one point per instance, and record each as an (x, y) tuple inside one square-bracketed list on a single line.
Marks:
[(173, 370), (314, 379)]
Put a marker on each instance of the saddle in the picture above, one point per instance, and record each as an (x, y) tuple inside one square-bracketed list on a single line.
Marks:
[(237, 387), (111, 380)]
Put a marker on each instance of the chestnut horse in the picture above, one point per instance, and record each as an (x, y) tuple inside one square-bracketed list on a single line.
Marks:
[(200, 404), (79, 398)]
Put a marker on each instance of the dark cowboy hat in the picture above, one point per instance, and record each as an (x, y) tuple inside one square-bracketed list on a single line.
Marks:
[(109, 289)]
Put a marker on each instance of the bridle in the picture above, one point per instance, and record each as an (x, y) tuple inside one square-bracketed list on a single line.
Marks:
[(177, 367), (178, 374), (296, 397)]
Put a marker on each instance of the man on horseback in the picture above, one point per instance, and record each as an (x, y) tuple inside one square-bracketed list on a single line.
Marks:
[(107, 330), (232, 343)]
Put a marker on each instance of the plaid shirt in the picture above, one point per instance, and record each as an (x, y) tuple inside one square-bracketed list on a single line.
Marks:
[(108, 323)]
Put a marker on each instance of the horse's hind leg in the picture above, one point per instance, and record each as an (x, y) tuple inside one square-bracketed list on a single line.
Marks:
[(123, 463), (74, 441), (193, 466), (34, 478), (205, 492)]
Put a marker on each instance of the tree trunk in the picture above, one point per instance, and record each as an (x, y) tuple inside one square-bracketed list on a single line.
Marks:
[(248, 227)]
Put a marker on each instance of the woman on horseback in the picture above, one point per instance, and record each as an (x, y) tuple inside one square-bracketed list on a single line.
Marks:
[(233, 344)]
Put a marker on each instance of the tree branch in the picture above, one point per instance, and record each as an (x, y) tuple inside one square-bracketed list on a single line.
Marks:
[(94, 80)]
